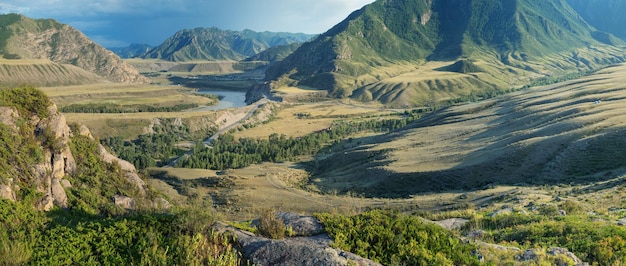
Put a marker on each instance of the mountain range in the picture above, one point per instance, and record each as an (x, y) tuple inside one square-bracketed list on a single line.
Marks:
[(131, 51), (487, 45), (218, 44)]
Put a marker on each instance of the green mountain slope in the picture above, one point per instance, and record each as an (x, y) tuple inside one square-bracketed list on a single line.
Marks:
[(605, 15), (217, 44), (25, 38), (274, 54), (511, 40)]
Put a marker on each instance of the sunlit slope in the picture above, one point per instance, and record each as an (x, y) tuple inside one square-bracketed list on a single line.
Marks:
[(571, 132), (494, 43), (43, 72)]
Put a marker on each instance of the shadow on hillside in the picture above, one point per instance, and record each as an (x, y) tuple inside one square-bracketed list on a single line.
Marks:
[(523, 148)]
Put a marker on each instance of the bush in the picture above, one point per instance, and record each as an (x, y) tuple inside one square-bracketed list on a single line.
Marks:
[(271, 226), (395, 239)]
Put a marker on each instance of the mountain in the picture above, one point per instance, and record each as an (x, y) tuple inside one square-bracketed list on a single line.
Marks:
[(133, 50), (400, 52), (274, 54), (217, 44), (27, 39), (605, 15)]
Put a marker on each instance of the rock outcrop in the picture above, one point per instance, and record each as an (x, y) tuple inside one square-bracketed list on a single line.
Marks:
[(310, 247), (57, 162)]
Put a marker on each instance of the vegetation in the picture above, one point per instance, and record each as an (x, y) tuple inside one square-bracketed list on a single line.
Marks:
[(395, 239), (116, 108), (226, 153), (153, 149), (71, 237), (270, 226), (27, 100), (592, 241), (375, 41)]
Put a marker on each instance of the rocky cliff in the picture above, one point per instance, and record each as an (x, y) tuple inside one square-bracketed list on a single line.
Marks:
[(25, 38), (39, 156)]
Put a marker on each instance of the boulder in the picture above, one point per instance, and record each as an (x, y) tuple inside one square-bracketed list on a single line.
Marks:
[(58, 193), (45, 204), (302, 225), (453, 223), (7, 193), (130, 172), (124, 202), (309, 250)]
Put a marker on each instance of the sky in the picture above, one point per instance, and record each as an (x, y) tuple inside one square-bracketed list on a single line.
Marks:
[(118, 23)]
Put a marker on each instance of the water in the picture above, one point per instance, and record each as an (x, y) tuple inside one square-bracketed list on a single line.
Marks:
[(228, 99)]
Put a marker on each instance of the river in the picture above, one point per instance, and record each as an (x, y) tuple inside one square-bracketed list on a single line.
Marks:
[(228, 99)]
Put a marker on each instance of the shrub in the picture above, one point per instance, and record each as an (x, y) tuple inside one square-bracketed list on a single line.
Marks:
[(271, 226), (396, 239)]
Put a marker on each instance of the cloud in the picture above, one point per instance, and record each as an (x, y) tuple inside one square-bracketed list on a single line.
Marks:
[(151, 21)]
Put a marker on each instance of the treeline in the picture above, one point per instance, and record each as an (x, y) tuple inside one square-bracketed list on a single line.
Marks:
[(116, 108), (227, 153), (153, 149)]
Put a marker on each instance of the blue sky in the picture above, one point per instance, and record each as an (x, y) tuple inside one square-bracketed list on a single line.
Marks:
[(114, 23)]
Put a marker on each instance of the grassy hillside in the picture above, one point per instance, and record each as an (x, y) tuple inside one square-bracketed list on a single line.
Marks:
[(43, 73), (570, 133), (508, 39)]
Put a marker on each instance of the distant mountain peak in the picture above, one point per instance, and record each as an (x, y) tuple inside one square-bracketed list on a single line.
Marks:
[(217, 44)]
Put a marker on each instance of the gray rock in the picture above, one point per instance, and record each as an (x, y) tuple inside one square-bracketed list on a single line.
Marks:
[(453, 223), (45, 204), (527, 255), (58, 193), (507, 210), (124, 202), (7, 193), (130, 172), (562, 212), (65, 183), (555, 251), (302, 225), (161, 203), (313, 250)]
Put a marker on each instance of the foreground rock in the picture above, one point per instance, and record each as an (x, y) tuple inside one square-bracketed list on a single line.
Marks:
[(310, 247)]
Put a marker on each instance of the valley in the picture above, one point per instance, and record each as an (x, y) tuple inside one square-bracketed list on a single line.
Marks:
[(413, 132)]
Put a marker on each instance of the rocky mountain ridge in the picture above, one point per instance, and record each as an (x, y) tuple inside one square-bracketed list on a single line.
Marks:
[(25, 38), (218, 44)]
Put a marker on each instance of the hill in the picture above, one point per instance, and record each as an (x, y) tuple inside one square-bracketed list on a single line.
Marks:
[(217, 44), (374, 53), (22, 38), (567, 133), (274, 54), (133, 50), (605, 15)]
